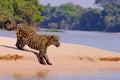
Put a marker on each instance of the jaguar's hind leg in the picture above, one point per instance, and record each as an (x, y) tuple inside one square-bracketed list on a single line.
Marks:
[(20, 45)]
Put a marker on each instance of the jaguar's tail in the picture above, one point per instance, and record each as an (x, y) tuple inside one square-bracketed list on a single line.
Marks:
[(9, 26)]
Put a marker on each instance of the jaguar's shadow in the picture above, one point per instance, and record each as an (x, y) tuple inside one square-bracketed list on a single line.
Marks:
[(8, 47), (35, 53)]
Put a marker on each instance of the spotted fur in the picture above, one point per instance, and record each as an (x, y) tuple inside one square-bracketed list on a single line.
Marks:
[(27, 36)]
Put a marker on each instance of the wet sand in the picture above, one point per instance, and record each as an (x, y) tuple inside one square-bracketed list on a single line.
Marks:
[(67, 59)]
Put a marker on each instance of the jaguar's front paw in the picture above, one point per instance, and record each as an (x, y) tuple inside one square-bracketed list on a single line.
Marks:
[(49, 63), (42, 62)]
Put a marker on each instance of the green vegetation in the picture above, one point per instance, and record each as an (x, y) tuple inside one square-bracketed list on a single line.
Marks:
[(52, 30), (28, 11), (75, 17), (67, 16)]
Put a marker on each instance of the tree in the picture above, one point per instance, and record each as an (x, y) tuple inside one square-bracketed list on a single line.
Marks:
[(75, 17), (53, 25), (66, 15), (111, 11), (28, 10), (62, 24), (92, 20), (104, 2), (6, 10), (24, 10)]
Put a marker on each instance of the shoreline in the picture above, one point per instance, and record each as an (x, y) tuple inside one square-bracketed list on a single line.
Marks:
[(93, 39), (67, 59)]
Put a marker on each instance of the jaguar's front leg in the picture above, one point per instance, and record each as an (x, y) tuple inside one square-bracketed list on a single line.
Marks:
[(41, 58), (47, 59), (42, 52)]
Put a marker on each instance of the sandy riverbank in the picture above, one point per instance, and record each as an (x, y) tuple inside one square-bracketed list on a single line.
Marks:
[(68, 59)]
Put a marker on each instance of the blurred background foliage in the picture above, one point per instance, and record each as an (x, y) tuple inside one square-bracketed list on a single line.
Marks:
[(105, 17), (28, 11)]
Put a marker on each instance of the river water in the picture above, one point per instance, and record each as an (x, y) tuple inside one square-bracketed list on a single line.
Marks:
[(93, 76), (107, 41), (102, 40)]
